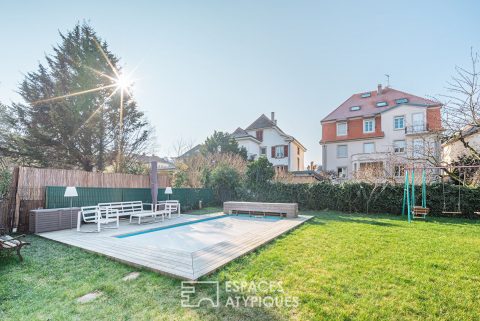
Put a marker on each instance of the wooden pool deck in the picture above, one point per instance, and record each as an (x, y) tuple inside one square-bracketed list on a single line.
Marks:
[(180, 264)]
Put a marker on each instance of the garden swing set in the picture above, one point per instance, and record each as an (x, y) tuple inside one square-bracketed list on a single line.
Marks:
[(420, 212)]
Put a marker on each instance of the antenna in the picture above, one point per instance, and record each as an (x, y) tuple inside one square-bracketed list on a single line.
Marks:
[(388, 79)]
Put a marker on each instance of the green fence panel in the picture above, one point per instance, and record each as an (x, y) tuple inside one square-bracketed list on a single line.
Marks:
[(86, 196), (137, 194), (188, 197)]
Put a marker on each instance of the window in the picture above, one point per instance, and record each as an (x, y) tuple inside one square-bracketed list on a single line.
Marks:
[(399, 146), (401, 101), (342, 129), (298, 150), (418, 122), (382, 104), (342, 151), (259, 135), (279, 152), (369, 147), (355, 108), (341, 172), (298, 163), (369, 125), (418, 148), (399, 122), (263, 150), (366, 95), (399, 170)]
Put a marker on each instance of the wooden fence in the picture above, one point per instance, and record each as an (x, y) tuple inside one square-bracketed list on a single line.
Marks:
[(28, 189)]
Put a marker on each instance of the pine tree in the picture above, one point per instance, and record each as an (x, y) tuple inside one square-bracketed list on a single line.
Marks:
[(70, 117)]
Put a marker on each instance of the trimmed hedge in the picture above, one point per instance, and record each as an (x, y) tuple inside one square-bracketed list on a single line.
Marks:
[(358, 197)]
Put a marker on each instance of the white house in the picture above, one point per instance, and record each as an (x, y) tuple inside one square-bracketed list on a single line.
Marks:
[(454, 148), (264, 138), (385, 129)]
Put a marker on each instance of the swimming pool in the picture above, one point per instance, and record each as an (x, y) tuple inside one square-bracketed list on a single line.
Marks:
[(199, 234)]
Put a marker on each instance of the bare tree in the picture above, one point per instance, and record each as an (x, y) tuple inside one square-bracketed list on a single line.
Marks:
[(181, 146), (462, 108)]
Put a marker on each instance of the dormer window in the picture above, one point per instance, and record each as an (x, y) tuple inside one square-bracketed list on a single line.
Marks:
[(366, 95), (401, 101), (355, 108), (382, 104)]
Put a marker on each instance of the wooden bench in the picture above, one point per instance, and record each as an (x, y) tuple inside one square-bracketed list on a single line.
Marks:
[(420, 212), (8, 243), (256, 208)]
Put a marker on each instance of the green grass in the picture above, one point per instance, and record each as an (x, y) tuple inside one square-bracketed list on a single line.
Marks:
[(340, 266)]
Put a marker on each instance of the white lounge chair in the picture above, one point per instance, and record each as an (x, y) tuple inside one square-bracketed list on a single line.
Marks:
[(171, 206), (92, 214)]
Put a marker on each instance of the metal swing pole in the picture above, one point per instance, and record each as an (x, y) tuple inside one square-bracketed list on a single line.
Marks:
[(408, 196), (405, 192), (424, 189)]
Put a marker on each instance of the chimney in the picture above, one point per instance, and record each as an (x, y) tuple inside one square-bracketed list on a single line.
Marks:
[(272, 117), (379, 89)]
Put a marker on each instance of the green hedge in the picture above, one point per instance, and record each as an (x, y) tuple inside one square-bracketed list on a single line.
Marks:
[(354, 197)]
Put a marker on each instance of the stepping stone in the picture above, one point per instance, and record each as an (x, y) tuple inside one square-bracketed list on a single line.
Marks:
[(89, 297), (131, 276)]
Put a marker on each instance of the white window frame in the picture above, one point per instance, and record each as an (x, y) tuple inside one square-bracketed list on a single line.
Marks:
[(365, 121), (400, 149), (418, 148), (369, 144), (279, 151), (395, 170), (395, 123), (344, 170), (261, 148), (418, 126), (346, 151), (346, 128)]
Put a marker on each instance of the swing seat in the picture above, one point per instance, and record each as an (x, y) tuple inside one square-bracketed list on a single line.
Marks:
[(420, 212), (452, 213)]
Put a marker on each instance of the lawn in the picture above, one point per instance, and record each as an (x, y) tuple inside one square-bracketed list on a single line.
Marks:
[(340, 266)]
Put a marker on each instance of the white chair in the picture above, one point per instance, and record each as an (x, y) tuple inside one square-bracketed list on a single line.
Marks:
[(171, 207), (92, 214)]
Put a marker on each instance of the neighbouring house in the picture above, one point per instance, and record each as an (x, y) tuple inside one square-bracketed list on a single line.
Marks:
[(453, 148), (381, 130), (164, 164), (264, 138), (191, 152)]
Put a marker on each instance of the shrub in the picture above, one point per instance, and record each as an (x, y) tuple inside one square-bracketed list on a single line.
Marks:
[(225, 181)]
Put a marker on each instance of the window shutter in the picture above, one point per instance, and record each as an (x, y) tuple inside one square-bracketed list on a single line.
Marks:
[(285, 150), (273, 151)]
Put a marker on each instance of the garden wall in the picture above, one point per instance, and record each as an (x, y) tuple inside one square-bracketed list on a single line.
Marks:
[(358, 197)]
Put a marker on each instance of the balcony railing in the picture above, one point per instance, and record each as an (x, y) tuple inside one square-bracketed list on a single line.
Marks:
[(414, 129)]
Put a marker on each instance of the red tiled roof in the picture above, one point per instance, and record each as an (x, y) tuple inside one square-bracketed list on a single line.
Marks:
[(368, 106)]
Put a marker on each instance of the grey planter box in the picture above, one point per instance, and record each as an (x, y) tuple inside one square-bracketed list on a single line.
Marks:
[(55, 219)]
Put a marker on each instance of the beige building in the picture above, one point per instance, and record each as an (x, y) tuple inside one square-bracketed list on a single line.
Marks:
[(381, 130)]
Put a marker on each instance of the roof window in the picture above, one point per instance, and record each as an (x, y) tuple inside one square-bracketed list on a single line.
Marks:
[(355, 108), (382, 104), (401, 101), (366, 95)]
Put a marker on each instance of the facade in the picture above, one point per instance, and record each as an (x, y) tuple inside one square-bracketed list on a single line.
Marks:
[(382, 130), (454, 148), (264, 138)]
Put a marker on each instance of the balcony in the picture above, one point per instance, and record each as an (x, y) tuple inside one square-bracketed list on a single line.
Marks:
[(416, 129)]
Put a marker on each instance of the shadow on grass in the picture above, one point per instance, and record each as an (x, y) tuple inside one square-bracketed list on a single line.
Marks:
[(355, 218)]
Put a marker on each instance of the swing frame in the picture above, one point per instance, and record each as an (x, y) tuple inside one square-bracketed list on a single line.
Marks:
[(409, 197)]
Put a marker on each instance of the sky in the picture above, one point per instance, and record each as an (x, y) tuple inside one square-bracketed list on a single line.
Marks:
[(202, 66)]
